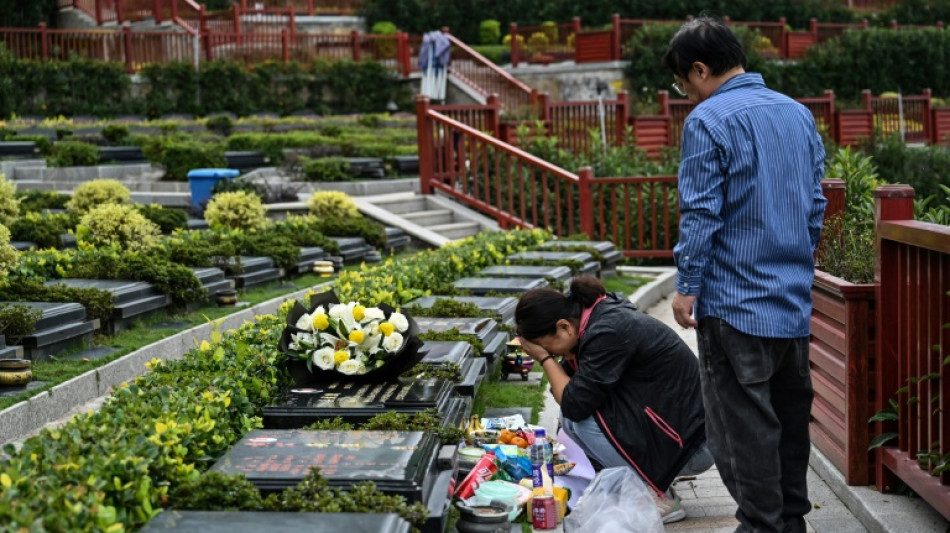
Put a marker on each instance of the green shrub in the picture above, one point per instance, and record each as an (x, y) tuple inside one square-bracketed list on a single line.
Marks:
[(239, 184), (332, 204), (98, 303), (922, 167), (179, 157), (17, 320), (492, 52), (357, 226), (8, 254), (326, 169), (73, 154), (115, 133), (236, 210), (120, 225), (383, 27), (91, 194), (38, 200), (303, 231), (9, 201), (331, 130), (167, 220), (220, 124), (43, 229), (371, 120), (489, 32)]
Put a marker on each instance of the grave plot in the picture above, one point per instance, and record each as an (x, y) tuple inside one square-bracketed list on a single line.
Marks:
[(132, 300), (590, 266), (473, 369), (499, 285), (486, 330), (611, 255), (251, 271), (502, 307), (60, 327)]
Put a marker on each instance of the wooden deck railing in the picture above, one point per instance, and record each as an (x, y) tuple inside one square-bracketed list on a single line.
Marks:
[(639, 214), (487, 78), (913, 343)]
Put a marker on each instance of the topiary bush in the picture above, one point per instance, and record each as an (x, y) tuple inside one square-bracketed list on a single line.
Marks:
[(167, 220), (43, 229), (120, 225), (489, 32), (73, 154), (37, 200), (9, 202), (94, 193), (8, 254), (115, 133), (325, 169), (332, 204), (236, 210)]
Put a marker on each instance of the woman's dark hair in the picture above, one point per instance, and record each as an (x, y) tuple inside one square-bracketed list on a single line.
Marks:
[(539, 309), (708, 40)]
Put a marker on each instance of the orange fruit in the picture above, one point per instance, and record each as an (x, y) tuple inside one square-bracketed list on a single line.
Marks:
[(519, 442)]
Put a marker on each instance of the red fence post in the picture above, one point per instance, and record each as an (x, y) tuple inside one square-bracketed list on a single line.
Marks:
[(494, 115), (813, 28), (285, 45), (119, 11), (830, 113), (576, 26), (157, 11), (834, 191), (310, 7), (355, 44), (127, 39), (623, 103), (513, 32), (44, 41), (891, 202), (98, 11), (614, 38), (663, 100), (293, 24), (586, 201), (402, 52), (866, 100), (928, 125), (175, 9), (783, 41), (544, 105), (424, 134)]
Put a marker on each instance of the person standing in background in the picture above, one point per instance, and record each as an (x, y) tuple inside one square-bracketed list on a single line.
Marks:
[(751, 211)]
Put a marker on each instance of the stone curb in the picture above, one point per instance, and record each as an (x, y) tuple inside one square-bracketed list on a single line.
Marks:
[(648, 295), (26, 417)]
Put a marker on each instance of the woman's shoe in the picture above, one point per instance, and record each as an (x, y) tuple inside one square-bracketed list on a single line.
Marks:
[(670, 506)]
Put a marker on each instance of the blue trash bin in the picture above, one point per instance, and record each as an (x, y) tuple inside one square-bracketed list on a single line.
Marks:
[(202, 180)]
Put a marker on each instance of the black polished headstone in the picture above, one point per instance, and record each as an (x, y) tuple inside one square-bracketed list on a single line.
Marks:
[(553, 272), (308, 256), (483, 286), (503, 307), (22, 246), (441, 353), (396, 239), (484, 329), (61, 326), (131, 299), (355, 402), (399, 462), (590, 265), (251, 271), (607, 250), (271, 522), (352, 249)]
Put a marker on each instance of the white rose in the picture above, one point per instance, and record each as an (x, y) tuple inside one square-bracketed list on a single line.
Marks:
[(392, 343), (301, 341), (323, 358), (349, 367), (338, 311), (371, 337), (305, 322), (400, 321), (373, 313)]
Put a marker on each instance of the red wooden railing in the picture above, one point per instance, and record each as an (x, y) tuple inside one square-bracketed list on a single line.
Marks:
[(913, 341), (572, 122), (307, 7), (638, 214), (914, 110), (487, 78)]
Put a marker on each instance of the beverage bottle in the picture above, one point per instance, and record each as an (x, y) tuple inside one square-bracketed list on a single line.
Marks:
[(536, 453), (540, 436)]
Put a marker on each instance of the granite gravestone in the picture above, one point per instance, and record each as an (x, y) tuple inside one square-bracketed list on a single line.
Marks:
[(441, 353), (486, 330), (250, 271), (61, 326), (357, 403), (556, 273), (255, 522), (502, 307), (483, 286), (608, 251), (589, 265), (131, 300)]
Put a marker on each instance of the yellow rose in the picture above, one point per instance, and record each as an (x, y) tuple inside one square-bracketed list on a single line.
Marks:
[(387, 329), (339, 356), (359, 312), (321, 321), (357, 336)]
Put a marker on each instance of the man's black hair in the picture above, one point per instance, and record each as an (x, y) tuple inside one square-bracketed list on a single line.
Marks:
[(708, 40)]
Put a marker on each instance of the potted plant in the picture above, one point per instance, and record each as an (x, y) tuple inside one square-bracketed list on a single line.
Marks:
[(842, 343)]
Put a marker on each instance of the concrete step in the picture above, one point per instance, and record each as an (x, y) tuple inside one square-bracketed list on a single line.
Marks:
[(430, 217), (456, 230), (405, 205)]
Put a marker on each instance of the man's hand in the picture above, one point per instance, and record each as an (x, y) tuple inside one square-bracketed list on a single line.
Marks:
[(683, 310), (533, 350)]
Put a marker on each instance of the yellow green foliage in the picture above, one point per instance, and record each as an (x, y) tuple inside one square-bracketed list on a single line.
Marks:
[(8, 254), (236, 210), (97, 192), (9, 203), (117, 224), (332, 204)]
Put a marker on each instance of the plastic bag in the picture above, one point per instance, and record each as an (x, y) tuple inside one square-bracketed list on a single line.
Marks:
[(616, 500)]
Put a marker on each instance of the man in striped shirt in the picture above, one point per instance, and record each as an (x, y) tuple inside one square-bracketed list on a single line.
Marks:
[(751, 211)]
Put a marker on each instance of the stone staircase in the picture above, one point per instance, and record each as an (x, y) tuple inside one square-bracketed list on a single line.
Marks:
[(432, 219)]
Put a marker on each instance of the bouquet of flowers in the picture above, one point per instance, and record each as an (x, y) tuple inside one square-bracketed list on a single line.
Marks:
[(336, 339)]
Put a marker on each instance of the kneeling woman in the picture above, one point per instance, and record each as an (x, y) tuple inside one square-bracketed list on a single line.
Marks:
[(628, 387)]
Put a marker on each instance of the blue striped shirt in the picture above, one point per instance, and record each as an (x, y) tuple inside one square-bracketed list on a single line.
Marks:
[(751, 209)]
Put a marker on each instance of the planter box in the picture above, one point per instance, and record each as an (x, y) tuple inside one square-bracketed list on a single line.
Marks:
[(841, 351)]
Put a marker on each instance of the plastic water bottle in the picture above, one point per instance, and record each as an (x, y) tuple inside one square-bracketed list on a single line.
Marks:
[(540, 434), (537, 454)]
